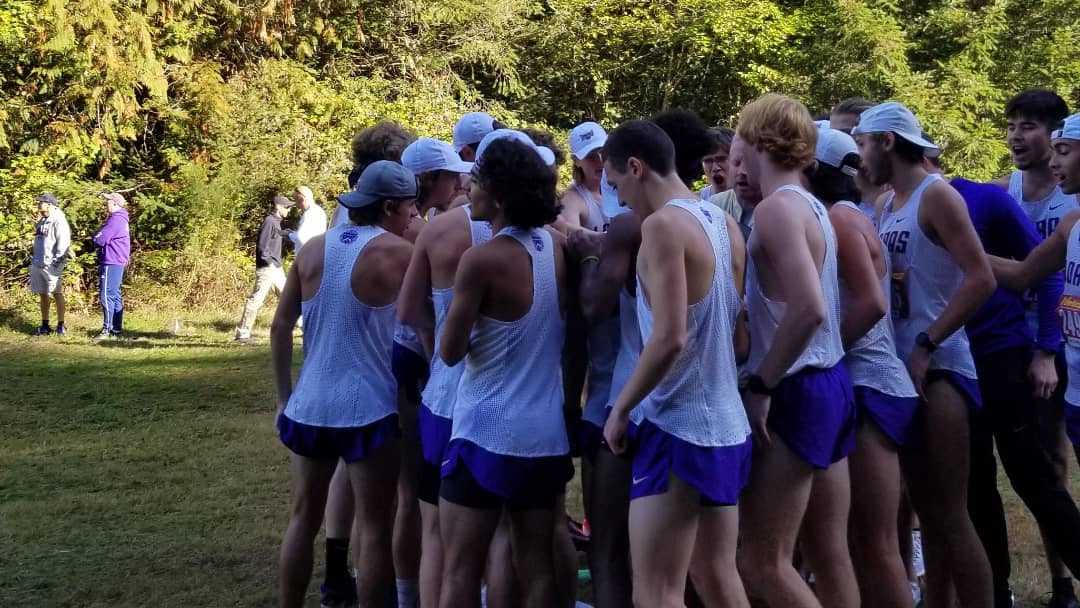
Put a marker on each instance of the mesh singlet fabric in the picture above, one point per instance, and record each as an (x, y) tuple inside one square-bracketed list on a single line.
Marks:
[(346, 379), (598, 222), (603, 346), (629, 344), (924, 279), (698, 400), (872, 360), (441, 390), (510, 399), (1046, 214), (1069, 313), (826, 348)]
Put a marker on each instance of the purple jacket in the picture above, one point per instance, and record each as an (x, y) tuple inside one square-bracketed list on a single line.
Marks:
[(114, 239)]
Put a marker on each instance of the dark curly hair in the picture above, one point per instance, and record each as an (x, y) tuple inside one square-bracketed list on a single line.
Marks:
[(1043, 106), (515, 175), (692, 141), (547, 140), (386, 140)]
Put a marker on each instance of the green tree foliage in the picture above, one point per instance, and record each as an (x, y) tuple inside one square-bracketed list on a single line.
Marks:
[(200, 110)]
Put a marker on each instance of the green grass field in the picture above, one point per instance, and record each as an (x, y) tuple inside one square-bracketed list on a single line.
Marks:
[(146, 472)]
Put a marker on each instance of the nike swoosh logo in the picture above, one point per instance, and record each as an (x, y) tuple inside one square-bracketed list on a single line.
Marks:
[(1058, 206), (900, 219), (445, 462), (637, 480)]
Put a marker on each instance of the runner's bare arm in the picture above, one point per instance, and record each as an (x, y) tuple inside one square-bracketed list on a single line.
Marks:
[(470, 285), (1043, 261), (602, 280), (281, 336), (573, 208), (741, 335), (865, 304), (414, 301), (947, 217)]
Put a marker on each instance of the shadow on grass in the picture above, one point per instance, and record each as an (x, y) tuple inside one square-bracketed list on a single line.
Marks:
[(16, 320)]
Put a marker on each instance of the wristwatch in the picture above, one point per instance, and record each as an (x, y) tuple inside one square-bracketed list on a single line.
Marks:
[(923, 340), (756, 385)]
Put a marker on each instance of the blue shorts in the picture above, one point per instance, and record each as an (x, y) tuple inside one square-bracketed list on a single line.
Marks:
[(895, 416), (515, 482), (434, 435), (410, 370), (813, 411), (592, 440), (350, 444), (718, 473), (968, 387), (1072, 423)]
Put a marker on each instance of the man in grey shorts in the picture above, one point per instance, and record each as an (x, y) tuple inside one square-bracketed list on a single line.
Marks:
[(52, 238)]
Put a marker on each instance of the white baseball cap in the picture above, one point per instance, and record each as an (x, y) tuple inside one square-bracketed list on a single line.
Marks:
[(609, 198), (428, 154), (545, 153), (1069, 130), (892, 117), (833, 146), (585, 138), (471, 129)]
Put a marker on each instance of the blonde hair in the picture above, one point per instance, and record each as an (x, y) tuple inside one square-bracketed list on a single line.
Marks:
[(306, 193), (781, 127)]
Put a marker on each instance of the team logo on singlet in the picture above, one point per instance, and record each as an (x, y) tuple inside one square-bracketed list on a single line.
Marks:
[(538, 243), (707, 215), (896, 241), (349, 236), (1069, 315)]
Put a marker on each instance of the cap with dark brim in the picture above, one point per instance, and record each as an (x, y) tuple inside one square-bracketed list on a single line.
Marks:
[(48, 197), (381, 180)]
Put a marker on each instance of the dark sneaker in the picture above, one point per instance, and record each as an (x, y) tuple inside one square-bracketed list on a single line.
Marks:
[(42, 331), (338, 595), (61, 330)]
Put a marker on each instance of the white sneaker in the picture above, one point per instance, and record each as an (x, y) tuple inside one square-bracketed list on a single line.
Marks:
[(242, 335), (916, 593), (916, 554)]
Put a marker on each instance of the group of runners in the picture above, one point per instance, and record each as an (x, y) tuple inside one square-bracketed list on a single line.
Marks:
[(761, 377)]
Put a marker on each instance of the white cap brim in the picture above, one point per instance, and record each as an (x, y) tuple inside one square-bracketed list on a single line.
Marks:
[(588, 148)]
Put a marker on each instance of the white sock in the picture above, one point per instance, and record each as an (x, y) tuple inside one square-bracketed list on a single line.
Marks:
[(408, 593)]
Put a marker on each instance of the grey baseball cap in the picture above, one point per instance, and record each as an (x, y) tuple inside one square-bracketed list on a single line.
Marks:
[(48, 197), (381, 180)]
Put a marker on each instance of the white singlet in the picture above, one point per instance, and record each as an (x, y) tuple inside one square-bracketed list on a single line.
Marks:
[(603, 346), (924, 279), (698, 399), (1069, 313), (510, 399), (598, 222), (441, 390), (872, 360), (826, 347), (346, 379), (1046, 214)]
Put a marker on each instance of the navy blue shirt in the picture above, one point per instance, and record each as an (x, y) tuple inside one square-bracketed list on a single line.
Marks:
[(1007, 232)]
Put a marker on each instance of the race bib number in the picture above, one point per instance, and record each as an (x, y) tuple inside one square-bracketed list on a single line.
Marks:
[(1069, 315), (900, 307)]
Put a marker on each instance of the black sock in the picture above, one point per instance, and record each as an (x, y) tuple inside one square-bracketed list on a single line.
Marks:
[(59, 324), (45, 324), (337, 560), (1063, 587)]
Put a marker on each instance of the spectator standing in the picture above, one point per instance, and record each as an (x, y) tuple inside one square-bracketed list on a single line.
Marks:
[(269, 274), (52, 238), (312, 220), (113, 243)]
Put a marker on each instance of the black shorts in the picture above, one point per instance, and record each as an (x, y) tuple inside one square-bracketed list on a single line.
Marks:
[(428, 483), (461, 488)]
